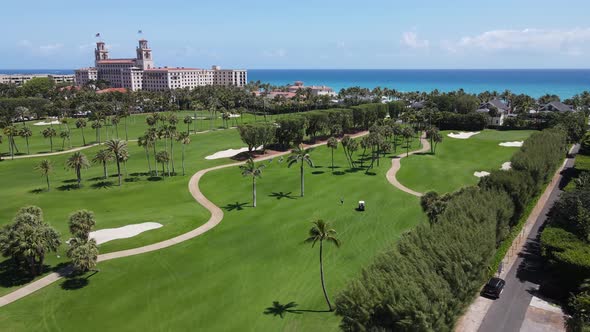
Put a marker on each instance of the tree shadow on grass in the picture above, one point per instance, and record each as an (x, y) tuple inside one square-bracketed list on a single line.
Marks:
[(68, 187), (77, 281), (140, 174), (234, 206), (318, 172), (280, 195), (370, 173), (70, 181), (155, 178), (97, 178), (102, 185), (133, 179), (278, 309), (338, 173), (37, 190), (13, 275)]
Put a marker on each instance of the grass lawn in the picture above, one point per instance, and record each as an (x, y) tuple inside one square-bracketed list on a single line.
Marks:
[(136, 126), (456, 160), (224, 279)]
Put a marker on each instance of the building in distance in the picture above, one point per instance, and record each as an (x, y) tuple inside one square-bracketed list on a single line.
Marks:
[(140, 73)]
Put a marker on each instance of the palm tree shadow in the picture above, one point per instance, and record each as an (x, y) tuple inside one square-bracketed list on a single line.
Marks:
[(68, 187), (280, 195), (102, 185), (37, 191), (77, 281), (278, 309), (234, 206)]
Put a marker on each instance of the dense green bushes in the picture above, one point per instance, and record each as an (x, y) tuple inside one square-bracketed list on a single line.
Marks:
[(431, 275), (457, 121)]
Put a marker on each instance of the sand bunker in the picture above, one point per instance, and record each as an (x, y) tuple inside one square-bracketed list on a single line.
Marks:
[(481, 174), (43, 123), (234, 115), (109, 234), (462, 135), (512, 144), (227, 153), (506, 166)]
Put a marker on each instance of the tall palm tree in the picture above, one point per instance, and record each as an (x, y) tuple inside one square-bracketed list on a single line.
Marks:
[(188, 120), (0, 143), (143, 141), (83, 253), (97, 125), (77, 162), (26, 132), (163, 158), (45, 167), (81, 223), (185, 139), (81, 124), (119, 150), (103, 157), (64, 135), (300, 155), (115, 122), (250, 169), (152, 137), (10, 132), (321, 232), (49, 133), (333, 145)]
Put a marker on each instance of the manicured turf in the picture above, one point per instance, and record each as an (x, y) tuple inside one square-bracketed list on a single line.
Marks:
[(455, 161), (224, 279)]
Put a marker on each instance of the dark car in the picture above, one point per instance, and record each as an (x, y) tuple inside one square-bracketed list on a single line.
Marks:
[(494, 288)]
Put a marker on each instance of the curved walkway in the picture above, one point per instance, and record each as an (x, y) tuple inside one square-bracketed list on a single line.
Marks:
[(193, 187), (396, 164)]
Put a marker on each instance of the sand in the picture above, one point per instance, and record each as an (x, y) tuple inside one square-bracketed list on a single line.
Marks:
[(228, 153), (506, 166), (109, 234), (512, 144), (234, 115), (463, 135), (43, 123), (481, 174)]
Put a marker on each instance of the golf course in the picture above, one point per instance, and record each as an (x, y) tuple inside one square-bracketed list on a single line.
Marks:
[(251, 270)]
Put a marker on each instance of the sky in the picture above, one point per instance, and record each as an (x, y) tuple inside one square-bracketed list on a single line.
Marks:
[(318, 34)]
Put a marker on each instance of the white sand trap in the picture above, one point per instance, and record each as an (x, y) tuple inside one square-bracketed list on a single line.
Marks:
[(512, 144), (43, 123), (234, 115), (109, 234), (463, 135), (481, 174), (506, 166), (228, 153)]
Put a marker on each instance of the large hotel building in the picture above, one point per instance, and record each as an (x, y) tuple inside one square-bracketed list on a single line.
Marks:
[(141, 73)]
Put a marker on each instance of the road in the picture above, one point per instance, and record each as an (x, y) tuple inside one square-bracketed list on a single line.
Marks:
[(522, 281)]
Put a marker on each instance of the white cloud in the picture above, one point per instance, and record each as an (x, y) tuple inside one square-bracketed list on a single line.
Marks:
[(570, 42), (40, 49), (278, 53), (410, 39)]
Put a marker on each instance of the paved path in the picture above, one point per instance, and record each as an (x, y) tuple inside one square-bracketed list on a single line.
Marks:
[(508, 312), (193, 186), (396, 164)]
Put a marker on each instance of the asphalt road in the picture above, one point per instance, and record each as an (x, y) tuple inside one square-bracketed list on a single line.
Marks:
[(507, 313)]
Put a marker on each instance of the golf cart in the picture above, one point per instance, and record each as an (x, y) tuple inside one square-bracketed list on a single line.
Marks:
[(361, 206)]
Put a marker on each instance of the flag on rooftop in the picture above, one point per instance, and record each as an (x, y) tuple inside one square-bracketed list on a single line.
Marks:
[(97, 35), (139, 32)]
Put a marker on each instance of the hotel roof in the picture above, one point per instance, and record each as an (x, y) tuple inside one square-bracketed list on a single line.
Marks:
[(116, 61), (172, 69)]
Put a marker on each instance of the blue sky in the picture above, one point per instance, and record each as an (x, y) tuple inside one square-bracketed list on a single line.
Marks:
[(59, 34)]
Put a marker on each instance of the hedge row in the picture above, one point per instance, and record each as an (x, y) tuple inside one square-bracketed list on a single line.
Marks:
[(425, 281)]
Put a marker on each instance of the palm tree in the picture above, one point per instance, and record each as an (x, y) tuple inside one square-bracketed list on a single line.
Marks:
[(97, 125), (185, 139), (188, 120), (49, 133), (80, 124), (143, 141), (77, 161), (45, 167), (26, 132), (81, 223), (0, 143), (300, 155), (103, 157), (119, 149), (408, 133), (10, 132), (321, 232), (250, 169), (64, 135), (83, 253), (163, 158), (333, 145), (152, 137), (115, 122)]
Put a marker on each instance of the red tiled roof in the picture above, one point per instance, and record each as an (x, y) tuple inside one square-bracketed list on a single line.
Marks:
[(122, 90)]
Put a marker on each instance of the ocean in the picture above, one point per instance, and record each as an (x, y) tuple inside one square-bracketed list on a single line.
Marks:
[(534, 82)]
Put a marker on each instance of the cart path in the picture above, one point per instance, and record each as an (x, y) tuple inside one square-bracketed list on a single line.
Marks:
[(193, 187), (396, 165)]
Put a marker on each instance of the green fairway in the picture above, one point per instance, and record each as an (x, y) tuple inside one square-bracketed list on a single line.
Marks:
[(226, 278), (456, 160)]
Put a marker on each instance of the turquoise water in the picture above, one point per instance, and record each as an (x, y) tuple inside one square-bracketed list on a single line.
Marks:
[(534, 82)]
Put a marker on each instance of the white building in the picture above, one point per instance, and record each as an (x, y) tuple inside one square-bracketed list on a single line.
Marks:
[(315, 90), (141, 73), (20, 79)]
